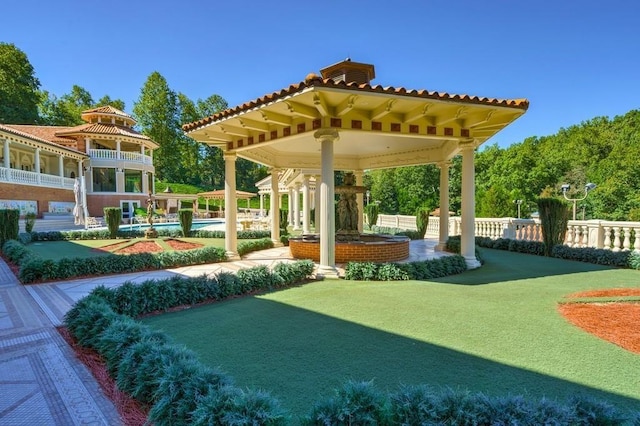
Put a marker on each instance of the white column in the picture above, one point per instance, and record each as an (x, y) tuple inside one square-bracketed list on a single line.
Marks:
[(467, 242), (316, 203), (7, 158), (79, 168), (296, 207), (359, 174), (327, 212), (261, 204), (87, 145), (290, 206), (305, 204), (231, 207), (142, 152), (36, 165), (275, 207), (444, 205), (118, 149), (61, 166)]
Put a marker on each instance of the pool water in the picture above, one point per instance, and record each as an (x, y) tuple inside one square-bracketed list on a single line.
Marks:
[(214, 224)]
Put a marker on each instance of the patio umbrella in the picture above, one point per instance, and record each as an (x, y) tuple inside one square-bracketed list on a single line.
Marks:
[(78, 209)]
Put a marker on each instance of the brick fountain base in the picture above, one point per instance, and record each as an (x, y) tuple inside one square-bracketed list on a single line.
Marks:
[(369, 247)]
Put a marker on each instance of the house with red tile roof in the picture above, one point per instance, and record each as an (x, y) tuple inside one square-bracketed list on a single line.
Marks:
[(106, 157)]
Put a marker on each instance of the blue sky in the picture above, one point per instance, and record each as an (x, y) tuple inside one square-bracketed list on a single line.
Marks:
[(574, 60)]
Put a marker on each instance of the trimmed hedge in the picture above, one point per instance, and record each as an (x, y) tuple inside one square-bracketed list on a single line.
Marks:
[(104, 234), (166, 376), (423, 270), (620, 259), (9, 225), (362, 404)]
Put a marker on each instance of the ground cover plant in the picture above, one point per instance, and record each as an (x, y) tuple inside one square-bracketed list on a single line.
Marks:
[(495, 330)]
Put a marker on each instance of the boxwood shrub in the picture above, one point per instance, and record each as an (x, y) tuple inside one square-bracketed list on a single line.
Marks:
[(103, 234), (422, 270)]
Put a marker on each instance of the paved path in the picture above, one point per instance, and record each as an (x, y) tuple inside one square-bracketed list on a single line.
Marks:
[(41, 381)]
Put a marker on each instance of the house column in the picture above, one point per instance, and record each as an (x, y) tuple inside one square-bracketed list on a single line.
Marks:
[(118, 149), (444, 205), (87, 145), (275, 207), (468, 239), (327, 137), (305, 204), (231, 207), (61, 166), (80, 170), (290, 206), (296, 207), (359, 174), (36, 165), (316, 203), (7, 159)]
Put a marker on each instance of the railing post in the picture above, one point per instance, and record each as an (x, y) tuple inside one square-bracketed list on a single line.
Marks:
[(509, 229)]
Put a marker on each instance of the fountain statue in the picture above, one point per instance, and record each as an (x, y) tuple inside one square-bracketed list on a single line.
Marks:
[(151, 231), (347, 218)]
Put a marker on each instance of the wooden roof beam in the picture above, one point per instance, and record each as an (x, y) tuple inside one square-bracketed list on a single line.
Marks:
[(345, 106), (301, 110), (321, 105), (382, 110), (231, 130), (254, 125), (276, 118)]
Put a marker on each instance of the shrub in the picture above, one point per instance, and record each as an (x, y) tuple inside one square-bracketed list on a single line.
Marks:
[(634, 260), (112, 215), (185, 216), (554, 216), (422, 270), (29, 222), (355, 403), (250, 246), (372, 210), (9, 225), (422, 221)]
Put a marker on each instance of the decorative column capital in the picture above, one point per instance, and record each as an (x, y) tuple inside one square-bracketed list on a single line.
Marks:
[(467, 145), (330, 135), (230, 156), (443, 164)]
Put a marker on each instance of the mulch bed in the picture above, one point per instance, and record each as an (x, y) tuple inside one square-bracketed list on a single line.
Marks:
[(130, 410), (182, 245), (615, 322)]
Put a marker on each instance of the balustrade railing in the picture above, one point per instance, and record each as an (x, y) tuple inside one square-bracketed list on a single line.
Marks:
[(23, 177), (109, 154), (602, 234)]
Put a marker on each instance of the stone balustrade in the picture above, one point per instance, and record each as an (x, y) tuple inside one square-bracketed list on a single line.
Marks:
[(110, 154), (23, 177), (602, 234)]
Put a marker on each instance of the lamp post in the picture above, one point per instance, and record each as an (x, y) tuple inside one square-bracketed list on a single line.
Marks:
[(587, 188), (368, 195), (518, 203)]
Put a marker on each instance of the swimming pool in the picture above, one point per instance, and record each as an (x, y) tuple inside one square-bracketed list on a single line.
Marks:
[(209, 224)]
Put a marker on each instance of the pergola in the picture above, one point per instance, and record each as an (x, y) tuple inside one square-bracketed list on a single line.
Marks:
[(220, 195), (339, 121)]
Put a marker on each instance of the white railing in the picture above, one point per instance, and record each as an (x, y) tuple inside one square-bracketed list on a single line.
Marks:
[(23, 177), (602, 234), (112, 155)]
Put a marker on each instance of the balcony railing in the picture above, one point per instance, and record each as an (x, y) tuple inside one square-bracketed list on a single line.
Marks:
[(22, 177), (601, 234), (109, 154)]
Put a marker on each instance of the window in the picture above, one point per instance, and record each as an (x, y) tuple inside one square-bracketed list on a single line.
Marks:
[(104, 180), (132, 181)]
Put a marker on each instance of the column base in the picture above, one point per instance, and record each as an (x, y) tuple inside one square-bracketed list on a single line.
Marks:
[(326, 271), (441, 247), (472, 263), (232, 256)]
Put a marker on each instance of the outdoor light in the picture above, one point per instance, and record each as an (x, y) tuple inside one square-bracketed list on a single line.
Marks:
[(587, 188), (518, 203)]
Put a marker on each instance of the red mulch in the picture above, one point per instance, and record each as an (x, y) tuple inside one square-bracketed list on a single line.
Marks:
[(182, 245), (609, 292), (110, 247), (140, 247), (130, 410)]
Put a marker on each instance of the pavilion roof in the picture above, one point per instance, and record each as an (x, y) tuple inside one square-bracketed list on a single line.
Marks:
[(219, 195)]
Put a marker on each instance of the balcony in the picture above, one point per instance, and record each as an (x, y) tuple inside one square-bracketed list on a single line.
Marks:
[(22, 177), (113, 155)]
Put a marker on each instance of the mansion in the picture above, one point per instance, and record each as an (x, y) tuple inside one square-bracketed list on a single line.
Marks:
[(106, 158)]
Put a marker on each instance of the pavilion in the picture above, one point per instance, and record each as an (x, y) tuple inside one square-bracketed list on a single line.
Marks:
[(340, 121)]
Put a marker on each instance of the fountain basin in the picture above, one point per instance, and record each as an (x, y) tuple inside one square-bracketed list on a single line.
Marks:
[(369, 248)]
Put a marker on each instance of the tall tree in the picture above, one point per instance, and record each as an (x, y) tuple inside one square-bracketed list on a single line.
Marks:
[(157, 113), (19, 94), (67, 110)]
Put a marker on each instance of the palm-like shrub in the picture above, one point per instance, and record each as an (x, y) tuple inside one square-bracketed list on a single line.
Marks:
[(112, 216), (185, 216), (422, 220), (29, 221), (554, 216), (372, 210)]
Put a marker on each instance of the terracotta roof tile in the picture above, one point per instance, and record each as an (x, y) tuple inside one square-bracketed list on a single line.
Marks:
[(103, 129), (107, 109), (44, 134), (315, 81)]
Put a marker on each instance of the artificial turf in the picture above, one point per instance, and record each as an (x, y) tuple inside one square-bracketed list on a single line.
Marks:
[(496, 329)]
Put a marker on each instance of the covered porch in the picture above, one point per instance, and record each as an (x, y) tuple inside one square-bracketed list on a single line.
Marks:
[(339, 121)]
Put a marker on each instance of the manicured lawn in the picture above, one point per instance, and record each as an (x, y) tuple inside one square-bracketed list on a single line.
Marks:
[(495, 329), (57, 250)]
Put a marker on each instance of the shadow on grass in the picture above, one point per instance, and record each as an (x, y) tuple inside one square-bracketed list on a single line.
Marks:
[(300, 356), (502, 265)]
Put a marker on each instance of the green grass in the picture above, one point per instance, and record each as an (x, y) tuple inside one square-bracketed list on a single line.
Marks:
[(56, 250), (495, 329)]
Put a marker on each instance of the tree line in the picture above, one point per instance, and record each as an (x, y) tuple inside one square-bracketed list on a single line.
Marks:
[(159, 111), (605, 151)]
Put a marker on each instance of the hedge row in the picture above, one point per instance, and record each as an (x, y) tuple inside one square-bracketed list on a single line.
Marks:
[(166, 376), (423, 270), (103, 234), (360, 403), (621, 259)]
